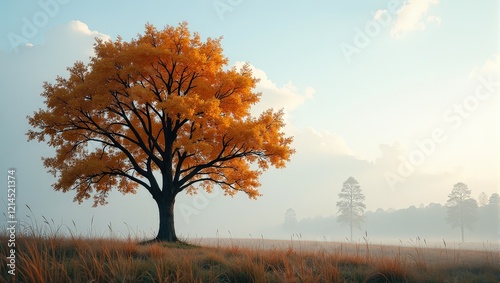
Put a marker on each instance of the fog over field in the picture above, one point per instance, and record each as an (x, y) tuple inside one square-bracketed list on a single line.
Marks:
[(400, 95)]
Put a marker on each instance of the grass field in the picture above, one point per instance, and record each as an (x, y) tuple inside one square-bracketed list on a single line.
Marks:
[(78, 259)]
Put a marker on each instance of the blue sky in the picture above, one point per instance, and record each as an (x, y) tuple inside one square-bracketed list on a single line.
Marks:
[(369, 87)]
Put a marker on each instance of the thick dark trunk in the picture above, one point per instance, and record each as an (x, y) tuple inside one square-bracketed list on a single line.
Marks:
[(166, 232)]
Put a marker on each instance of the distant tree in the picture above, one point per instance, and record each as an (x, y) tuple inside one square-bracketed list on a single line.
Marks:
[(462, 208), (351, 206), (494, 199), (290, 219), (482, 199)]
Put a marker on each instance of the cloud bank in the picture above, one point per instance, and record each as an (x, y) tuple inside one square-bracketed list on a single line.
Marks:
[(287, 97), (411, 17)]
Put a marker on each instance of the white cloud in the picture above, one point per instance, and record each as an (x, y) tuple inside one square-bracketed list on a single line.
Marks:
[(390, 156), (379, 14), (312, 142), (490, 67), (309, 92), (80, 27), (24, 71), (63, 45), (77, 35), (411, 16), (288, 96)]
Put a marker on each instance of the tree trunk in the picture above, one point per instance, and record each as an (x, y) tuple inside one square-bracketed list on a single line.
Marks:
[(462, 229), (166, 232), (350, 218), (462, 221), (351, 231)]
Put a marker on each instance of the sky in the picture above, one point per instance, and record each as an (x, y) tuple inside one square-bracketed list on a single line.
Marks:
[(401, 95)]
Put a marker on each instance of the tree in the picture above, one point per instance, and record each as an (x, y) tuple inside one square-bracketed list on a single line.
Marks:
[(494, 199), (351, 206), (482, 199), (462, 208), (164, 104), (290, 219)]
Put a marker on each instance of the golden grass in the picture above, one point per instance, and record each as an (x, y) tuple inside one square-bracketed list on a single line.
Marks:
[(60, 259)]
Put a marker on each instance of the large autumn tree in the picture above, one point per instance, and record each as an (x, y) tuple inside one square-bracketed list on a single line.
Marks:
[(164, 104)]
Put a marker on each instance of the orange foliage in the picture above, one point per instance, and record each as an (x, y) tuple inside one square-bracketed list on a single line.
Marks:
[(165, 101)]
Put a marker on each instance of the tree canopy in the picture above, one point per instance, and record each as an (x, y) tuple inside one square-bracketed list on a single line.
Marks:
[(164, 102)]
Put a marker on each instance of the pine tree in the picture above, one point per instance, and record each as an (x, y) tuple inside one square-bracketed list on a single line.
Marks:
[(462, 208), (351, 207)]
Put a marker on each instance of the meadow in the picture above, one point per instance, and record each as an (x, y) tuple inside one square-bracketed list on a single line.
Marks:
[(51, 257)]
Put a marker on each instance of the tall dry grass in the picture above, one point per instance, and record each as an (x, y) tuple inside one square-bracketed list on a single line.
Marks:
[(110, 260), (44, 255)]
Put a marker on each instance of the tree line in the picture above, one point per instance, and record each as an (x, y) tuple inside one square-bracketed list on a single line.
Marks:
[(461, 208)]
